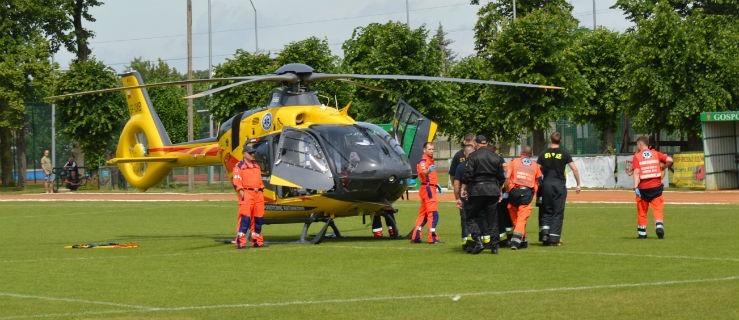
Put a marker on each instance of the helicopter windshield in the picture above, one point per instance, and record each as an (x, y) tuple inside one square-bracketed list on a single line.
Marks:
[(359, 150), (384, 135)]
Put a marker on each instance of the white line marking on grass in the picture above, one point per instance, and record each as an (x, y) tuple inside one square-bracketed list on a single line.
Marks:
[(666, 202), (383, 298), (616, 254), (105, 303)]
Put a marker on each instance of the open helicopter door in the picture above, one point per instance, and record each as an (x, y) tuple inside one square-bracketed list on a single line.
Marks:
[(412, 129), (300, 162)]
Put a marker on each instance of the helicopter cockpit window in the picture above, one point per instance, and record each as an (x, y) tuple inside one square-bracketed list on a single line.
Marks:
[(381, 134), (301, 161), (262, 157), (302, 151)]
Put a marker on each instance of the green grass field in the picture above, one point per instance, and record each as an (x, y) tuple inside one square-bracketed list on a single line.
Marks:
[(181, 272)]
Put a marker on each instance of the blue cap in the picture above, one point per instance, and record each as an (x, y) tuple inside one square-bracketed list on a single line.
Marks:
[(249, 149)]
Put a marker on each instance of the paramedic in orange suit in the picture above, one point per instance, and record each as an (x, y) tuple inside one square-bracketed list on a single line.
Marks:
[(647, 167), (428, 212), (522, 179), (247, 180)]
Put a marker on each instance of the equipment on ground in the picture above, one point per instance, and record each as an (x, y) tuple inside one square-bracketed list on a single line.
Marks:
[(106, 245)]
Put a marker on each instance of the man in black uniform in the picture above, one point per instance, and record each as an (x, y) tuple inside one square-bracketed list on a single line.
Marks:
[(459, 157), (481, 187), (455, 176), (554, 190), (458, 176)]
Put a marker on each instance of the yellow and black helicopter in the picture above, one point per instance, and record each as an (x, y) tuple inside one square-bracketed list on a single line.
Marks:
[(317, 162)]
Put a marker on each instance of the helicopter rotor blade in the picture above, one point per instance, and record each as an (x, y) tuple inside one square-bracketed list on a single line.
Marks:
[(288, 77), (150, 85), (363, 85), (327, 76)]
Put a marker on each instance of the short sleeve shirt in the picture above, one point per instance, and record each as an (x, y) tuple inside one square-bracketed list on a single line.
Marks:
[(553, 162), (46, 163), (459, 172), (456, 160)]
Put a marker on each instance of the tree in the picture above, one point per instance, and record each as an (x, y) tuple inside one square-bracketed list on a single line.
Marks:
[(448, 56), (495, 14), (474, 112), (24, 65), (393, 48), (679, 67), (637, 10), (93, 120), (238, 99), (600, 56), (535, 48), (62, 21), (167, 101)]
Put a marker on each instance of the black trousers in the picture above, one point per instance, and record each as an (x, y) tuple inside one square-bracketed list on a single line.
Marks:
[(464, 222), (552, 209), (389, 221), (482, 213), (504, 218)]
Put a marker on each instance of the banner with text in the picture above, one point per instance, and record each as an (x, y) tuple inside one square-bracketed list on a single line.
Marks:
[(690, 171)]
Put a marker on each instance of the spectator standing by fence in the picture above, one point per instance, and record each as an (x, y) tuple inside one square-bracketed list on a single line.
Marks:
[(48, 172)]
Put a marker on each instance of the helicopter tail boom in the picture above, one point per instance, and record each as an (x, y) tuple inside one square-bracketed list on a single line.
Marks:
[(145, 155)]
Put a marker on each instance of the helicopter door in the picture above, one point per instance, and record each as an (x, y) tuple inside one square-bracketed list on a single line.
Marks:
[(300, 162), (412, 129)]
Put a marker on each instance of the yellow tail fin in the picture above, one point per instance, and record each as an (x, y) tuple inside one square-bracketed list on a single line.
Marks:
[(143, 136)]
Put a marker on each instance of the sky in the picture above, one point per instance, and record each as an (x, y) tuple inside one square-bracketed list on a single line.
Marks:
[(152, 29)]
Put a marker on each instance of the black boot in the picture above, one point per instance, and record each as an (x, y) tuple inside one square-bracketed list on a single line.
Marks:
[(478, 247), (544, 235), (468, 245), (494, 249), (524, 244), (660, 230)]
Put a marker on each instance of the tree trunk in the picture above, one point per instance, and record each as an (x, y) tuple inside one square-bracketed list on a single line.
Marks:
[(694, 143), (539, 143), (609, 140), (20, 152), (83, 50), (6, 158), (626, 139)]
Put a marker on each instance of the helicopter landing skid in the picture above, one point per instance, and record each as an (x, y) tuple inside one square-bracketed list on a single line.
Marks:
[(329, 222)]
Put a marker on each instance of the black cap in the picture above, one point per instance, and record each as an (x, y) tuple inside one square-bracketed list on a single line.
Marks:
[(481, 139)]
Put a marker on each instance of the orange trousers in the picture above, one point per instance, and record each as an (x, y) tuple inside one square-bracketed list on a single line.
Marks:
[(428, 213), (657, 204), (251, 216), (519, 216)]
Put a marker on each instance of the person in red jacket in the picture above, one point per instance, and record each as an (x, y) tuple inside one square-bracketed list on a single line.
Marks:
[(429, 211), (247, 180), (648, 165), (522, 179)]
